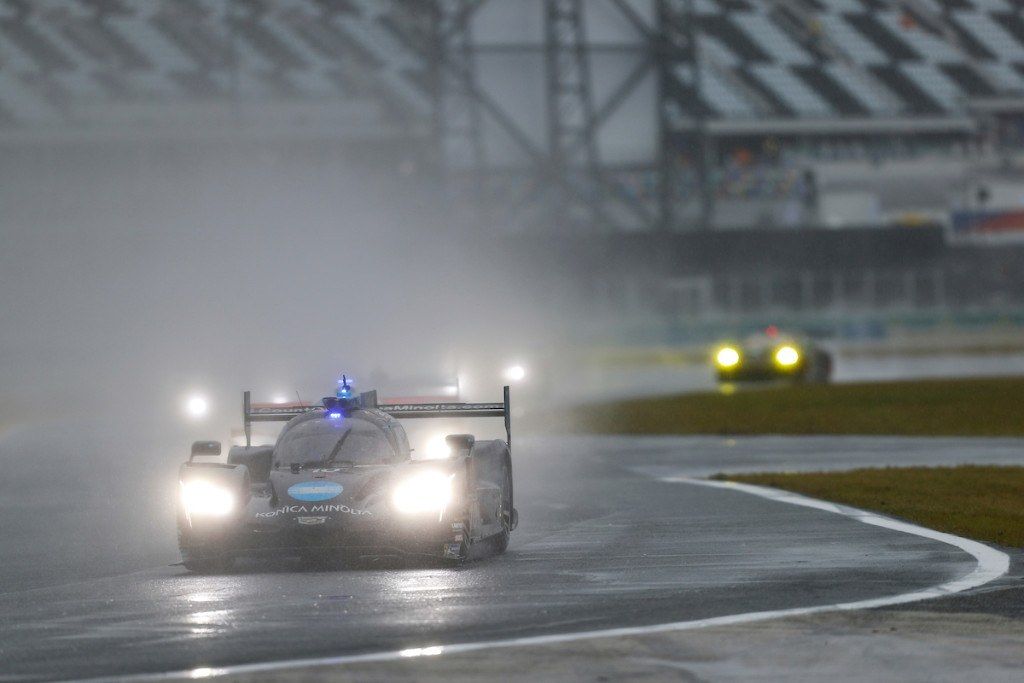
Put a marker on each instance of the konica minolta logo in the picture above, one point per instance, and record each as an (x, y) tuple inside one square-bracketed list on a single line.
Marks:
[(313, 491)]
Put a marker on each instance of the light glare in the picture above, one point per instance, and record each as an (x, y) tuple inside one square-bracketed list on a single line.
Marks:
[(204, 499), (422, 651), (787, 356), (727, 357), (197, 406), (515, 373), (423, 492), (437, 448)]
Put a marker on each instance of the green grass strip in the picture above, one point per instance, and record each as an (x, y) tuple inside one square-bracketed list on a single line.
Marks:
[(979, 502), (969, 407)]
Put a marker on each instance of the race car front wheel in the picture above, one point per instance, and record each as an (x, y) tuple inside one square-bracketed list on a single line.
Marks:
[(499, 542)]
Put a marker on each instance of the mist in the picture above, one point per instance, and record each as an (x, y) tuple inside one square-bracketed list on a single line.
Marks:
[(596, 257), (134, 273)]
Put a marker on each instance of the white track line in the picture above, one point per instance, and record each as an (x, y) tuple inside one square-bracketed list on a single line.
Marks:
[(991, 565)]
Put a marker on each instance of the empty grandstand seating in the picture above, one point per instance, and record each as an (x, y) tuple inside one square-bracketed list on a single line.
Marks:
[(947, 51), (55, 54), (814, 59), (794, 60), (853, 58)]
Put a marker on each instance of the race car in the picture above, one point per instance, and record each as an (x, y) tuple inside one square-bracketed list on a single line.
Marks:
[(772, 355), (340, 483)]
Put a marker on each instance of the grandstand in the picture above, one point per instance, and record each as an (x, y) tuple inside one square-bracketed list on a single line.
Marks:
[(804, 154), (88, 63), (790, 90), (859, 58), (804, 59)]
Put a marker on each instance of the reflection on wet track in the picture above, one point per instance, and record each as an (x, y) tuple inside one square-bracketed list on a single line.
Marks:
[(602, 543)]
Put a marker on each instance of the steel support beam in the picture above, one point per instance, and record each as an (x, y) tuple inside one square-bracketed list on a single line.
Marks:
[(569, 166), (458, 117), (572, 141), (682, 116)]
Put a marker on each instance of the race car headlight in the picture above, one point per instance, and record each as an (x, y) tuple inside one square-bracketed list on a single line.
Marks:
[(727, 357), (204, 499), (787, 356), (423, 492)]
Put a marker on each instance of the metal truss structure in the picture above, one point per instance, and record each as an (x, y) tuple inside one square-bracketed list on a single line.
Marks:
[(457, 120), (537, 124), (563, 185), (572, 147), (682, 113)]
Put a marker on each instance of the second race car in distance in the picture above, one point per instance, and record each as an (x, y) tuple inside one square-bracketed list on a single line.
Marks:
[(340, 483), (772, 355)]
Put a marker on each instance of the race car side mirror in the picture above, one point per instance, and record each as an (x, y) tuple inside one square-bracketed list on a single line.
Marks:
[(205, 448), (460, 443)]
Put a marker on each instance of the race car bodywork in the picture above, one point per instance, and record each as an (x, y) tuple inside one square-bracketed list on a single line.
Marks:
[(772, 356), (340, 482)]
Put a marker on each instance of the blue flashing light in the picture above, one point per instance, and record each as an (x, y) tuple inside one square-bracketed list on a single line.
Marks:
[(344, 388), (334, 416)]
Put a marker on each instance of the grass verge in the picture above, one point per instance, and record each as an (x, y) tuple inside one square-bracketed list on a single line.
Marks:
[(965, 407), (980, 502)]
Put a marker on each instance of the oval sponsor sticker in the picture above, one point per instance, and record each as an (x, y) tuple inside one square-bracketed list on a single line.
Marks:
[(313, 491)]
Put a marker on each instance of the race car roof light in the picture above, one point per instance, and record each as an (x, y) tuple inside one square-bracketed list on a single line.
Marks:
[(344, 388), (368, 400)]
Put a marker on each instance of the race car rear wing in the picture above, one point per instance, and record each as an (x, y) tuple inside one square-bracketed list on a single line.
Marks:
[(368, 400)]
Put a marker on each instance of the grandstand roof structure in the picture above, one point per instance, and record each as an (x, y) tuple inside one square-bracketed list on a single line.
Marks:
[(67, 63), (786, 59), (843, 59), (432, 69)]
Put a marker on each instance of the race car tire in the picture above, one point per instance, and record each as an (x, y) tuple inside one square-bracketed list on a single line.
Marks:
[(499, 542)]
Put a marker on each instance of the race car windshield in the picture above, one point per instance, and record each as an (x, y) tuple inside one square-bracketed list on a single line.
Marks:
[(325, 442)]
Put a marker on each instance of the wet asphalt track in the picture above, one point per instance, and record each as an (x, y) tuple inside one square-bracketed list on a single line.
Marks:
[(602, 543)]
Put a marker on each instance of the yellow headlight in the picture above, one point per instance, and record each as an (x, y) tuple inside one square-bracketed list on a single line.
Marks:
[(727, 357), (787, 356)]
